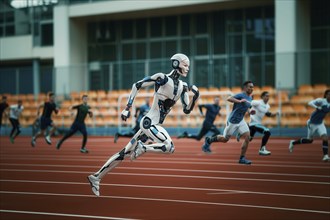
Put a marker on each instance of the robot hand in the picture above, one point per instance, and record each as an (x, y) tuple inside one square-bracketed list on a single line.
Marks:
[(125, 114), (194, 89)]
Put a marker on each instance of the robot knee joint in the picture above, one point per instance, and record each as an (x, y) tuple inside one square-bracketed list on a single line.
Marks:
[(168, 147), (146, 123), (121, 155)]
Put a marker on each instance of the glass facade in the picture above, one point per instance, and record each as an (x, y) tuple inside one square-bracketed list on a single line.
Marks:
[(37, 20), (225, 47), (19, 80), (320, 42)]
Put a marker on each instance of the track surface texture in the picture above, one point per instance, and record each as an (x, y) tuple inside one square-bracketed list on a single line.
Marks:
[(45, 183)]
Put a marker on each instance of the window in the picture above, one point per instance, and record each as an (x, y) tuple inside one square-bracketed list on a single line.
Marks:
[(127, 51), (8, 81), (156, 27), (170, 48), (201, 23), (155, 50), (171, 26), (202, 46), (47, 34), (46, 79), (185, 25), (141, 28), (127, 29)]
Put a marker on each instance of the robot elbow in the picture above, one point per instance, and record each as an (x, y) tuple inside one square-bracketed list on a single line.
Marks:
[(138, 85), (186, 111)]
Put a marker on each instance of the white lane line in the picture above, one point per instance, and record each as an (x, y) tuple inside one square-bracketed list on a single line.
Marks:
[(179, 161), (214, 191), (172, 200), (195, 157), (148, 157), (166, 169), (61, 214), (171, 175)]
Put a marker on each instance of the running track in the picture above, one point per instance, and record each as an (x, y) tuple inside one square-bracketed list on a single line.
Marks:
[(45, 183)]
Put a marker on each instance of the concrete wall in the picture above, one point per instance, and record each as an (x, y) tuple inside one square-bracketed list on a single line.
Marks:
[(20, 47)]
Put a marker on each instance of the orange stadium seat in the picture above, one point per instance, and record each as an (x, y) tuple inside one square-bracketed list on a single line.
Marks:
[(269, 89), (301, 99), (287, 110), (300, 109), (305, 90), (236, 89)]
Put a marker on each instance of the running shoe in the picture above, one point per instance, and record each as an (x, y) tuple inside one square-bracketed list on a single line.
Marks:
[(33, 142), (116, 138), (206, 147), (264, 152), (48, 140), (95, 184), (84, 150), (243, 160), (291, 146), (326, 158)]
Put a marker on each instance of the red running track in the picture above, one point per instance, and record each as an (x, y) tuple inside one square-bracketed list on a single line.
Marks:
[(45, 183)]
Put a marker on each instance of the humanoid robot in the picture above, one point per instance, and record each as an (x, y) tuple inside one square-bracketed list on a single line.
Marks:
[(168, 90)]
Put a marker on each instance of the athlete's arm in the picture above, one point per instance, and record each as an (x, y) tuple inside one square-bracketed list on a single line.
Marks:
[(71, 108), (316, 103), (187, 105), (200, 108), (38, 109), (158, 78), (90, 113), (235, 100), (56, 110), (270, 114)]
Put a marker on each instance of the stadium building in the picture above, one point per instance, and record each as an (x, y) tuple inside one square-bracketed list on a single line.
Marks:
[(75, 45)]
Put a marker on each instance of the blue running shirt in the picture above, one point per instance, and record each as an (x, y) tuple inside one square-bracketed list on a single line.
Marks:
[(239, 109), (319, 114)]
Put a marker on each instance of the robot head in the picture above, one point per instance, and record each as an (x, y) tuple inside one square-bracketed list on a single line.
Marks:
[(181, 63)]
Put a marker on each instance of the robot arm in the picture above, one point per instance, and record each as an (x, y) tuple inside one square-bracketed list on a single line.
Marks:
[(158, 78), (189, 106)]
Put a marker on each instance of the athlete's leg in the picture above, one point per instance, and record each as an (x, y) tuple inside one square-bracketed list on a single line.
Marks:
[(245, 144), (253, 131), (227, 133), (43, 126), (52, 129), (83, 131), (157, 134), (18, 128), (72, 130), (325, 144), (305, 140), (202, 133), (112, 162), (215, 130), (322, 131), (12, 130), (243, 129)]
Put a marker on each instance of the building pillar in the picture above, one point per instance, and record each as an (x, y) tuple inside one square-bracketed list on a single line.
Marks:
[(292, 39), (61, 50), (36, 77), (70, 52)]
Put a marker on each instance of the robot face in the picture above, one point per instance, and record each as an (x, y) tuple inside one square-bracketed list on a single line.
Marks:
[(181, 63), (184, 68)]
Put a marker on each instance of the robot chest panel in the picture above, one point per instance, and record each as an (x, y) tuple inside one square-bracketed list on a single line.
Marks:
[(171, 89)]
